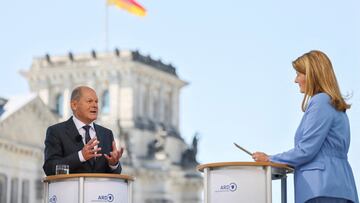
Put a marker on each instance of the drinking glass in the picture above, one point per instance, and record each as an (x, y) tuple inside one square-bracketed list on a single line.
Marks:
[(62, 169)]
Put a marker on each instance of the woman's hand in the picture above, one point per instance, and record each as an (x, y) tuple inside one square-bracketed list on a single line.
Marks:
[(260, 157)]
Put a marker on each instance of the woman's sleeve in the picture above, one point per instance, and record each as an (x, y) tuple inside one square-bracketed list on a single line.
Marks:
[(314, 128)]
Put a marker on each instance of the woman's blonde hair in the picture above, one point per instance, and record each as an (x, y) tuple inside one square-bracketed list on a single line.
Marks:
[(320, 77)]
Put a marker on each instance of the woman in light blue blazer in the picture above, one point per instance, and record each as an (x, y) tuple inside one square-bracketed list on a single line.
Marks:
[(322, 171)]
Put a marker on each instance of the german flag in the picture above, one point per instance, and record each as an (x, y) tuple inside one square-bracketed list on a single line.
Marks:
[(130, 5)]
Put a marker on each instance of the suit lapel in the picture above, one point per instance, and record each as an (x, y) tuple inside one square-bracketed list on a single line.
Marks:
[(73, 134), (100, 137)]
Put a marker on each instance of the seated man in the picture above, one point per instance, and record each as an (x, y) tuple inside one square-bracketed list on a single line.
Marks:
[(80, 143)]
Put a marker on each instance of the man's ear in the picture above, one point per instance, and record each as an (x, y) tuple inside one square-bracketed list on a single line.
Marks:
[(73, 105)]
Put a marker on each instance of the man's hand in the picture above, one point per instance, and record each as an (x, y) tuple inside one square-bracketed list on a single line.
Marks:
[(260, 157), (90, 150), (115, 155)]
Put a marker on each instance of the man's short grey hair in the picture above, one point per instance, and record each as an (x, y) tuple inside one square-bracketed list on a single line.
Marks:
[(76, 94)]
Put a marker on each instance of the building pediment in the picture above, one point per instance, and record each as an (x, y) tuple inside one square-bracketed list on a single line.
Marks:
[(25, 119)]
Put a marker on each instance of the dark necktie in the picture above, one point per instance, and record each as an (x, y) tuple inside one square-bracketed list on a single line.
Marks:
[(87, 139), (87, 133)]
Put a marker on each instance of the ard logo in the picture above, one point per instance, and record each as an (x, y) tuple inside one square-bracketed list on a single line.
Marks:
[(232, 187), (53, 199), (105, 198)]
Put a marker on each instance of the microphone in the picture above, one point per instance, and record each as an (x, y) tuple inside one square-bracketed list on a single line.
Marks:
[(78, 138)]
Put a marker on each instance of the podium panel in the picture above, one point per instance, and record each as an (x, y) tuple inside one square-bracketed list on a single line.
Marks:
[(88, 188), (60, 190), (234, 182), (246, 184)]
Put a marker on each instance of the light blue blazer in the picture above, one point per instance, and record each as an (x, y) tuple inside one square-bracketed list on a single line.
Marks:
[(320, 152)]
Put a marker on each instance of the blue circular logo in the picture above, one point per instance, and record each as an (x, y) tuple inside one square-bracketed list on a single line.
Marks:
[(233, 187), (53, 199), (110, 198)]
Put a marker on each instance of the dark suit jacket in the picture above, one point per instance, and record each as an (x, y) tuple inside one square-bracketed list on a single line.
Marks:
[(63, 142)]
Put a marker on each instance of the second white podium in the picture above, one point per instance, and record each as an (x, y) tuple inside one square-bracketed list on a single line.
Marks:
[(234, 182)]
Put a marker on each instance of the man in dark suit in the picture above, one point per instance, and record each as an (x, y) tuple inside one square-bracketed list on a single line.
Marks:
[(80, 143)]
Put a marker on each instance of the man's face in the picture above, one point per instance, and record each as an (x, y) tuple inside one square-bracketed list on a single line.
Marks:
[(86, 108)]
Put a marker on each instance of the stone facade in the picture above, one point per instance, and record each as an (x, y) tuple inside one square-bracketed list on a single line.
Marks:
[(22, 132), (138, 100)]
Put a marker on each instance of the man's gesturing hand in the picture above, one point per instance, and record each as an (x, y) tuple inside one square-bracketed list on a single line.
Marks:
[(90, 150), (115, 155)]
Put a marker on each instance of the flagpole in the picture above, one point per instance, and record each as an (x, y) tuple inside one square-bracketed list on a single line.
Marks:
[(106, 26)]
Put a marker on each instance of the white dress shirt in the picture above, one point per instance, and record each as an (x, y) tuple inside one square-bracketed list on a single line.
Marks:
[(79, 126)]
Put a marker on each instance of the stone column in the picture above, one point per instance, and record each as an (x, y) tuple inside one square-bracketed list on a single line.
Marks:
[(161, 104), (126, 106), (44, 95), (175, 108), (114, 100), (66, 103)]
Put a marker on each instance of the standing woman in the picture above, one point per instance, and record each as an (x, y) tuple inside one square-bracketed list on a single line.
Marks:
[(322, 171)]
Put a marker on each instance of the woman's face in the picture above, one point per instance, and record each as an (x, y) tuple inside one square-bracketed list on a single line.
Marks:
[(301, 80)]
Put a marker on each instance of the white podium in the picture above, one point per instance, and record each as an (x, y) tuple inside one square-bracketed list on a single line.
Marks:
[(88, 188), (234, 182)]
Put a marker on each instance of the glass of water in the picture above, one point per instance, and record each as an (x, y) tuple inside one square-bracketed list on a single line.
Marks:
[(62, 169)]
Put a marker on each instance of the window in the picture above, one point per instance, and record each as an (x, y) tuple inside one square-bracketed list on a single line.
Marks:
[(14, 190), (156, 109), (3, 187), (146, 103), (59, 104), (25, 192), (156, 106), (105, 102), (39, 189), (168, 108), (2, 104)]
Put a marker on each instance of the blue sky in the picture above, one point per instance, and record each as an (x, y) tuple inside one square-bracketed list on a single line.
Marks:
[(236, 55)]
